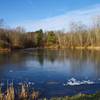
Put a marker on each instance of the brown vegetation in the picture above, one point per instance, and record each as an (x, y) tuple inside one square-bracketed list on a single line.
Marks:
[(79, 37), (22, 95)]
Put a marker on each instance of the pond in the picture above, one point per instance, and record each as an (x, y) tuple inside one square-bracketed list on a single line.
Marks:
[(52, 72)]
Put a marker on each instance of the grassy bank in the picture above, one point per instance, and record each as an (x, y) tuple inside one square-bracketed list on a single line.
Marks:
[(79, 97), (87, 48), (6, 50)]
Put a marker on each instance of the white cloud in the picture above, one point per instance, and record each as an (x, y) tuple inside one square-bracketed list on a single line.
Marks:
[(60, 22)]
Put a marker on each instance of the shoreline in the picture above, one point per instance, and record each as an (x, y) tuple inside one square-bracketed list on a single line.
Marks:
[(5, 50), (79, 96), (96, 48)]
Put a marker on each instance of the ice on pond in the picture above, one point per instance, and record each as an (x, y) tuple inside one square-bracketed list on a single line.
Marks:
[(73, 82), (87, 82)]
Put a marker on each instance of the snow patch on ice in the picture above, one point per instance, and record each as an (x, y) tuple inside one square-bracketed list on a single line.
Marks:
[(73, 82)]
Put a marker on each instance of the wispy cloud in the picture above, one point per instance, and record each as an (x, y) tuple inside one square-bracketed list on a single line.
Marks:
[(60, 22)]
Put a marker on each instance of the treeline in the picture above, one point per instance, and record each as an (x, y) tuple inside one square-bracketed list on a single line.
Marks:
[(79, 36), (19, 39)]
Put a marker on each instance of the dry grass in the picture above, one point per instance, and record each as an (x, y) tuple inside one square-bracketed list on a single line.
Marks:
[(9, 94)]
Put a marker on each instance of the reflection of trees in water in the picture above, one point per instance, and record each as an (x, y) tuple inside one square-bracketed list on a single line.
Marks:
[(17, 58), (3, 58), (78, 58), (39, 56), (51, 55), (81, 60)]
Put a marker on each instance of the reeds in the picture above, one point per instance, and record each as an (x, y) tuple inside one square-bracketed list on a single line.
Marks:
[(23, 94)]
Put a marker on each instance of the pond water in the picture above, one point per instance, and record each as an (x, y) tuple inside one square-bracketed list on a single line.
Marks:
[(53, 72)]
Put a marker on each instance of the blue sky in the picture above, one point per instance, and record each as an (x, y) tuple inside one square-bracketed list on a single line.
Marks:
[(47, 14)]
